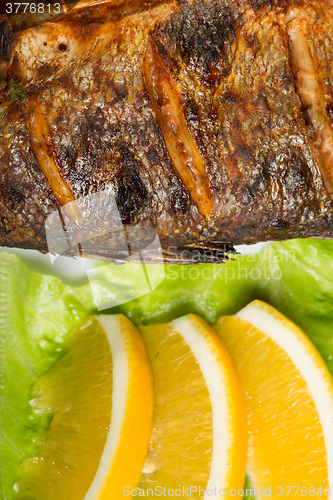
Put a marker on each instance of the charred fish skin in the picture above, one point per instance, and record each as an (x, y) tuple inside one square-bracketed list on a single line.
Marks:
[(191, 112)]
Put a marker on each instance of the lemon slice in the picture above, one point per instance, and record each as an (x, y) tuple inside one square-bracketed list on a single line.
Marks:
[(99, 397), (199, 437), (289, 397)]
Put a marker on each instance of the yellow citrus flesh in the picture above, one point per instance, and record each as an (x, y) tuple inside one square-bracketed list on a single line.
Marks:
[(289, 399), (199, 437), (100, 399)]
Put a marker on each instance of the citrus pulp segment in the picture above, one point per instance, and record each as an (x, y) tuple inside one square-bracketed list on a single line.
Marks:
[(289, 398), (199, 435), (100, 401)]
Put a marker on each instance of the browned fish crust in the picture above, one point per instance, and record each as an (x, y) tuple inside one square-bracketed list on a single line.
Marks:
[(199, 116)]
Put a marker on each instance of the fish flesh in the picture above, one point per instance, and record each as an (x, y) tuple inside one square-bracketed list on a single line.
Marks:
[(210, 121)]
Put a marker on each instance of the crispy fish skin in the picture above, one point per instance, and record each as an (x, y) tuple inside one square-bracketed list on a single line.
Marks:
[(160, 101)]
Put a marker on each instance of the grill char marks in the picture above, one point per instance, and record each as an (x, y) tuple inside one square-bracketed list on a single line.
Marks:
[(41, 144), (260, 119), (192, 39), (311, 91), (329, 110), (131, 191), (7, 45), (168, 104), (7, 41), (197, 34)]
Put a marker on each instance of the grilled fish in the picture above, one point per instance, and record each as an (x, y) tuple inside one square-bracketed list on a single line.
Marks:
[(210, 121)]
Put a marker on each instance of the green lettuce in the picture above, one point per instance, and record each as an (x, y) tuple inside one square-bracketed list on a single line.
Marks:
[(296, 277), (37, 311)]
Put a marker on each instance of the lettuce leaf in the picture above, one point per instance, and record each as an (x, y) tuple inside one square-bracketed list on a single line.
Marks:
[(37, 311), (296, 277), (303, 288)]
